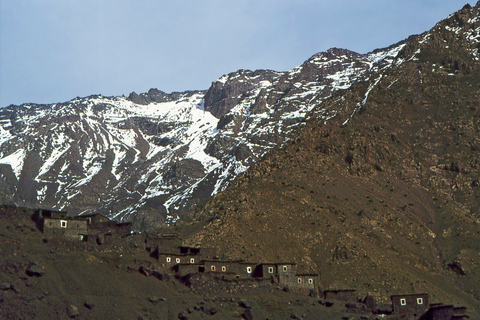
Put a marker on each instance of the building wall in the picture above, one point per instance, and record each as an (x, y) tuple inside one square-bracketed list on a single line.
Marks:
[(224, 266), (69, 228), (247, 270), (412, 306), (43, 213), (305, 282), (341, 295), (112, 227), (167, 260), (440, 313), (266, 270), (184, 269), (286, 274)]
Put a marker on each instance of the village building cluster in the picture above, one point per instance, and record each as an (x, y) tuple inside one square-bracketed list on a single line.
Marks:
[(175, 258), (182, 260), (96, 228)]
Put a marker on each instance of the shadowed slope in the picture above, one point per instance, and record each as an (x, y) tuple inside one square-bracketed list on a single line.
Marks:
[(385, 197)]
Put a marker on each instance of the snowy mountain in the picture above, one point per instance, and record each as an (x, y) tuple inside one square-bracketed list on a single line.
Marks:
[(150, 157)]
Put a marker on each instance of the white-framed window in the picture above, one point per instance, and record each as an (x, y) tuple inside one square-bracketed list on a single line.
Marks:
[(310, 281), (419, 300), (299, 280), (403, 302), (249, 269), (192, 260), (224, 268), (177, 260), (285, 268), (270, 269), (169, 259), (212, 268), (63, 223)]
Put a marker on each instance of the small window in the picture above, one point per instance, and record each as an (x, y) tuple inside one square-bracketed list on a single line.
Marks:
[(285, 268), (212, 268), (192, 260), (270, 269), (403, 302), (169, 259), (63, 223), (224, 268), (310, 281), (249, 269), (81, 237), (177, 260), (299, 280), (419, 300)]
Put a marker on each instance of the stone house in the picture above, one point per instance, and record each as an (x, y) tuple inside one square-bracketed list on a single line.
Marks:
[(285, 273), (99, 224), (305, 282), (162, 242), (410, 306), (169, 252), (58, 225)]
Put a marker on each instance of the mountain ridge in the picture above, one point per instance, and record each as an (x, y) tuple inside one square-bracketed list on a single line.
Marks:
[(248, 113)]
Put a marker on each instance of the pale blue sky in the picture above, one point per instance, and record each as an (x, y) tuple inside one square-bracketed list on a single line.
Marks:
[(54, 50)]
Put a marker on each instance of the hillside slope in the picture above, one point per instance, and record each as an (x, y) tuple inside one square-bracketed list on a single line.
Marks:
[(384, 197)]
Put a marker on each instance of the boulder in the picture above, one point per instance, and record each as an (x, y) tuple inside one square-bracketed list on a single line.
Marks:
[(35, 270), (209, 309), (155, 300), (90, 304), (244, 304), (72, 311), (247, 314), (5, 286), (157, 274), (181, 316)]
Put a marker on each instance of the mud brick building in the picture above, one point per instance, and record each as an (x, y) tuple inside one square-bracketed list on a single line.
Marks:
[(57, 224), (410, 306), (306, 282), (95, 227)]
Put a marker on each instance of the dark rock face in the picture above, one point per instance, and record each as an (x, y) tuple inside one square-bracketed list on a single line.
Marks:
[(230, 90), (153, 96)]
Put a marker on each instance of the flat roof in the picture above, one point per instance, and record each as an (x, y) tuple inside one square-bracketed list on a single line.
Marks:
[(409, 295), (225, 261)]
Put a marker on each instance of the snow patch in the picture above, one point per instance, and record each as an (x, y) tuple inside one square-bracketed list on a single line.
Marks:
[(15, 160)]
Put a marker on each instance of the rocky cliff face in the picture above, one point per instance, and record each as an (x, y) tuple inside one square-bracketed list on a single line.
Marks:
[(152, 156), (384, 196)]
